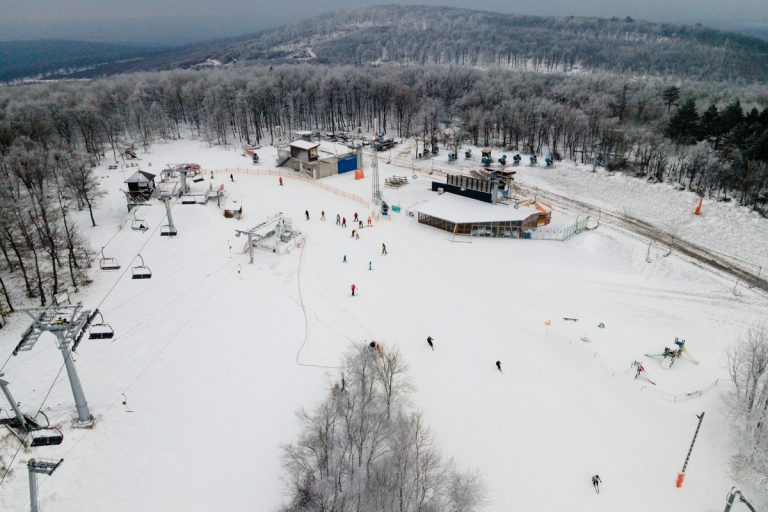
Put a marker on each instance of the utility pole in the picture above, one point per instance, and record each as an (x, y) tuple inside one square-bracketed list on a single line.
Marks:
[(681, 475), (41, 466), (67, 324)]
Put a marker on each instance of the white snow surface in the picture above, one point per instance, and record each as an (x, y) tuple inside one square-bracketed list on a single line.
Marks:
[(461, 209), (207, 352)]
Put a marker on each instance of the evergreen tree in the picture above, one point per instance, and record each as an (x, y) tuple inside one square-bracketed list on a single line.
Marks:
[(671, 95), (684, 125)]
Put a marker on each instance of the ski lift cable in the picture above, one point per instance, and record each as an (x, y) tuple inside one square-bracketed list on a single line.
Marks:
[(193, 313), (127, 267), (26, 434), (165, 277)]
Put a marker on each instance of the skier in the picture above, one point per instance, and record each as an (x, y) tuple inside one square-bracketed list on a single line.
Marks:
[(353, 289), (231, 178), (338, 219), (343, 222), (429, 342), (369, 266), (640, 370), (280, 180), (322, 215), (383, 249), (345, 259), (369, 222), (498, 365), (596, 483), (211, 174), (353, 234), (360, 224), (306, 213), (355, 216)]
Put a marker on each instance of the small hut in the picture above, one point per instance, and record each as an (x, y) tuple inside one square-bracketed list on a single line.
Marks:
[(141, 183)]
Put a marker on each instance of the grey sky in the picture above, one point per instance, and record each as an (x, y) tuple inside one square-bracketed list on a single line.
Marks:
[(189, 20)]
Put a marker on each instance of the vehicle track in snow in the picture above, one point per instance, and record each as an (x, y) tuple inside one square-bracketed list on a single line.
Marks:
[(747, 274)]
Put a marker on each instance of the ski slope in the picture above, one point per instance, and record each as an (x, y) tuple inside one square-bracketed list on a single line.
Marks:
[(214, 355)]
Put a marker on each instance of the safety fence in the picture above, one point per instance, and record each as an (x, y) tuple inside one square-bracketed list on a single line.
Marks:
[(304, 179), (562, 234), (583, 348)]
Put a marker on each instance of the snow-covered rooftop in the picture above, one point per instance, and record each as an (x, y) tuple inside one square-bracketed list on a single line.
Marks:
[(303, 144), (462, 210), (334, 148)]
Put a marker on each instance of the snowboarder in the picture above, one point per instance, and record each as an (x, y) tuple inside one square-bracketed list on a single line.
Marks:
[(343, 222), (306, 213), (355, 216), (498, 365), (369, 222), (429, 342), (231, 178), (369, 266), (353, 289), (383, 249), (280, 180), (338, 219), (596, 483), (322, 215), (345, 259)]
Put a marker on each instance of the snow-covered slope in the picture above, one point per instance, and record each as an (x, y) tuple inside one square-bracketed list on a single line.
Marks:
[(214, 355)]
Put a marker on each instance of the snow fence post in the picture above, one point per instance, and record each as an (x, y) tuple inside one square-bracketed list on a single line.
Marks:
[(681, 475)]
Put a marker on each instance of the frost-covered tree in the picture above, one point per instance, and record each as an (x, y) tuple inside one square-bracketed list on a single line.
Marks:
[(364, 448), (748, 369)]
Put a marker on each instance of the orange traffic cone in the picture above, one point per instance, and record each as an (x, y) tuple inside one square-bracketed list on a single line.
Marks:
[(698, 208)]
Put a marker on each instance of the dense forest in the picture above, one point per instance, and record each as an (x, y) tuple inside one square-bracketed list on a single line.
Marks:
[(439, 35), (709, 137)]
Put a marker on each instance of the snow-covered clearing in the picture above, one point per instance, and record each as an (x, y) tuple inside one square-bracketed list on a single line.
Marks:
[(209, 352)]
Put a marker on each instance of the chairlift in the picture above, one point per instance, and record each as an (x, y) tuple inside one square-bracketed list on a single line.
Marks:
[(141, 271), (138, 224), (100, 330), (50, 436), (108, 263), (168, 230)]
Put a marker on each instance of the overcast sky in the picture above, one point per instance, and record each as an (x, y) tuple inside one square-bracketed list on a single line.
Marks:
[(189, 20)]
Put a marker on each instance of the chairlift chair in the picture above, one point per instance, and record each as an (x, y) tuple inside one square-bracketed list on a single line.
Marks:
[(100, 330), (141, 271), (168, 231), (108, 263), (138, 224), (50, 436)]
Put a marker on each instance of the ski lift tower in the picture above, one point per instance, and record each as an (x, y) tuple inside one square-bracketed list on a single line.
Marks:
[(68, 324), (41, 466), (169, 229), (375, 191)]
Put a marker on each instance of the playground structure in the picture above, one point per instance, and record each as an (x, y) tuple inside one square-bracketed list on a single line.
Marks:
[(275, 234), (670, 355)]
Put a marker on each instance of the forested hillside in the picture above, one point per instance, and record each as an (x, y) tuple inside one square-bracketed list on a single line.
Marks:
[(440, 35)]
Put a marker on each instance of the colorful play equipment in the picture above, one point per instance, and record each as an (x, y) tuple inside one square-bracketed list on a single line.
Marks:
[(670, 355)]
